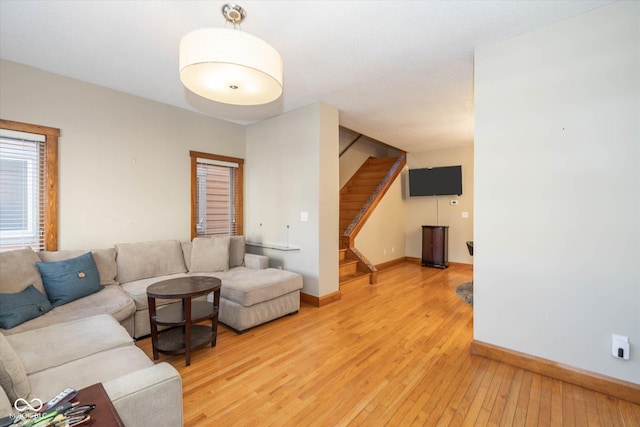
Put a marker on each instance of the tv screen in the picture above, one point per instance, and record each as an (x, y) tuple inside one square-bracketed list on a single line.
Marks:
[(435, 181)]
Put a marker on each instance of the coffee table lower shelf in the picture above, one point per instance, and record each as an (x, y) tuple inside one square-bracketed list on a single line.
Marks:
[(172, 341)]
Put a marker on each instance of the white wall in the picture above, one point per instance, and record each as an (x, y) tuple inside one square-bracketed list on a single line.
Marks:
[(437, 210), (291, 166), (124, 161), (557, 174)]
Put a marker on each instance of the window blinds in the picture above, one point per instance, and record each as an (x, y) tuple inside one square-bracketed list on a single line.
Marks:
[(216, 198), (22, 196)]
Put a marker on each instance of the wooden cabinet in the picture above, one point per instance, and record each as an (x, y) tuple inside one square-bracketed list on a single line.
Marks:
[(435, 246)]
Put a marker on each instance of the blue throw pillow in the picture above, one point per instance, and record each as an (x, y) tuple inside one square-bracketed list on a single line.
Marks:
[(22, 306), (70, 279)]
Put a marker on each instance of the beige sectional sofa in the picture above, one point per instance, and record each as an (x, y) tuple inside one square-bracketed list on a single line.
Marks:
[(251, 294), (42, 362)]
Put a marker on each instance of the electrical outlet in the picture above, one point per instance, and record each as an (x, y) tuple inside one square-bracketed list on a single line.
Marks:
[(620, 347)]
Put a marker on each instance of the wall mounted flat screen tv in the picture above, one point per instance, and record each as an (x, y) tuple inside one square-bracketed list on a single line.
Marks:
[(439, 181)]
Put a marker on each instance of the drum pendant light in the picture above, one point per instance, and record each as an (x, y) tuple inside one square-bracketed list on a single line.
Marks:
[(230, 66)]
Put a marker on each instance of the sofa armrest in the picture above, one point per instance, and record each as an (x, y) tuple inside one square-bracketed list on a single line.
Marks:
[(148, 397), (6, 408), (256, 262)]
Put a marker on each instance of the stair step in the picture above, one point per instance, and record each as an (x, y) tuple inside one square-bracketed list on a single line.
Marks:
[(382, 160), (348, 268), (380, 172), (363, 189), (351, 205), (359, 198), (377, 172), (359, 277), (348, 213), (344, 224), (342, 254), (366, 181)]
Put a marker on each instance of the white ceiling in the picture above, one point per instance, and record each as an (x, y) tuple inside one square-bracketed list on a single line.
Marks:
[(399, 71)]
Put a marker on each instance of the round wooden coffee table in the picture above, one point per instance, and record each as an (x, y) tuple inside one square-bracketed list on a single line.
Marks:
[(183, 335)]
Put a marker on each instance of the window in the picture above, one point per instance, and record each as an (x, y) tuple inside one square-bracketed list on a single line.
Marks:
[(28, 186), (216, 195)]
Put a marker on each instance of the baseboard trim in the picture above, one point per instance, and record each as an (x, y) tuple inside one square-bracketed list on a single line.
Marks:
[(320, 301), (457, 264), (461, 265), (391, 263), (591, 380)]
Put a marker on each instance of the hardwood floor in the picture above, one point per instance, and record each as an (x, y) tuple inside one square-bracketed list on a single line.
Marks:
[(395, 353)]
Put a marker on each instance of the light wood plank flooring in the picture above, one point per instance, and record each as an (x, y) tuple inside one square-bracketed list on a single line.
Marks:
[(391, 354)]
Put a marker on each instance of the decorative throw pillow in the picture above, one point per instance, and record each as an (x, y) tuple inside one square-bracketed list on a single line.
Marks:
[(210, 254), (18, 270), (68, 280), (13, 377), (22, 306), (105, 261)]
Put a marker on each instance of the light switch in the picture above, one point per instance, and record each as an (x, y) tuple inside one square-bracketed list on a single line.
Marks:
[(304, 216)]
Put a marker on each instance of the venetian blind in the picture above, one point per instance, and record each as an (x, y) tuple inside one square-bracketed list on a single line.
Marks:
[(216, 198), (22, 196)]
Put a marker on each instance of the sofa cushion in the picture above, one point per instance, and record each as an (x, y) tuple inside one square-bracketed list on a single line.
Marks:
[(22, 306), (70, 279), (18, 270), (99, 367), (247, 286), (148, 259), (105, 261), (209, 254), (111, 300), (241, 318), (82, 337), (137, 290), (236, 251), (13, 377)]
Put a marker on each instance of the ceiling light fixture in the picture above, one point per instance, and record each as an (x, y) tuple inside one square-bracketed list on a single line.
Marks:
[(230, 66)]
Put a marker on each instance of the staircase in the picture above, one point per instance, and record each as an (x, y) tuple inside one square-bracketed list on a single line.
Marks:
[(349, 272), (358, 198)]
